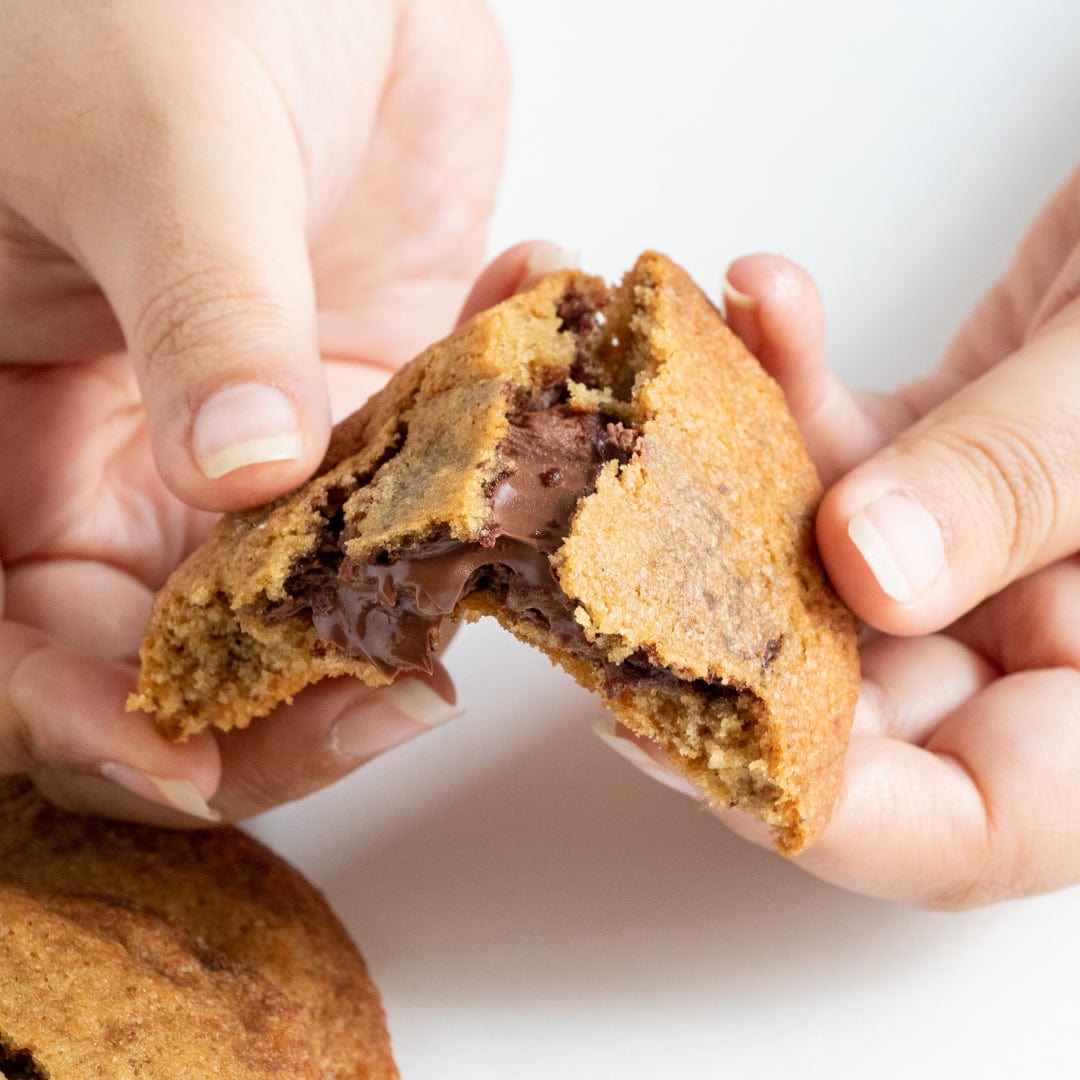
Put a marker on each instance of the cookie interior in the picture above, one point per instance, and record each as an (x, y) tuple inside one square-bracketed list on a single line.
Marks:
[(605, 471)]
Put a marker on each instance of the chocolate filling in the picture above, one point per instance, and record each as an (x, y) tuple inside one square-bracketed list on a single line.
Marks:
[(388, 610)]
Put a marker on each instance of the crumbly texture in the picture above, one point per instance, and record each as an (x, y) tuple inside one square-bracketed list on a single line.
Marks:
[(232, 919), (706, 621)]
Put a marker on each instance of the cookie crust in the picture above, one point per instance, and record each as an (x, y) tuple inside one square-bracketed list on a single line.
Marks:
[(92, 989), (218, 897), (705, 619)]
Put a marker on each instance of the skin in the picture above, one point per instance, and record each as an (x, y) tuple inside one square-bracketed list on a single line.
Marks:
[(146, 262), (959, 785), (197, 196)]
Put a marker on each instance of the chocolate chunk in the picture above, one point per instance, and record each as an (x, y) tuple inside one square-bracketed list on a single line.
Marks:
[(18, 1064), (577, 314), (771, 649)]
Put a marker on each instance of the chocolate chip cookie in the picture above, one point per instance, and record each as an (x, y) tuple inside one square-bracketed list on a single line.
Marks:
[(91, 989), (118, 941), (606, 471)]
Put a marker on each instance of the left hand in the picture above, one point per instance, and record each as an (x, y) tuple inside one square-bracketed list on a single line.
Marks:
[(290, 198), (951, 526)]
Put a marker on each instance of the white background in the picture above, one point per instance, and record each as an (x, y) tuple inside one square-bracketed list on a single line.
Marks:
[(529, 904)]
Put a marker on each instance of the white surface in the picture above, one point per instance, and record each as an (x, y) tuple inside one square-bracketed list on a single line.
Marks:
[(531, 906)]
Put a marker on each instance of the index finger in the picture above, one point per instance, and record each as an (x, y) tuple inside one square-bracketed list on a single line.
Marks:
[(987, 810)]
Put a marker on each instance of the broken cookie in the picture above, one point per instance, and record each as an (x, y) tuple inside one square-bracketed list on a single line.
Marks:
[(607, 472)]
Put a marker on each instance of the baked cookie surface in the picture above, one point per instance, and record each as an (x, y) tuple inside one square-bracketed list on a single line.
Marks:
[(91, 989), (607, 472), (230, 917)]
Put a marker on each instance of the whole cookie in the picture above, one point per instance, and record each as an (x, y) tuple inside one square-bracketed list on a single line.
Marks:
[(607, 472), (94, 990), (218, 894)]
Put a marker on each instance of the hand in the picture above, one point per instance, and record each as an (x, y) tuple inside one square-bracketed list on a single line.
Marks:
[(209, 213), (952, 527)]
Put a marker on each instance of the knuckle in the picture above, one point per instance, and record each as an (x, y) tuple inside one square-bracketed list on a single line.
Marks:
[(963, 896), (262, 784), (1021, 486), (1002, 873), (969, 846), (200, 317), (973, 883)]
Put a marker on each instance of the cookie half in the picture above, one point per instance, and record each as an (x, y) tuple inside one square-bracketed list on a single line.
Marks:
[(607, 472), (213, 913)]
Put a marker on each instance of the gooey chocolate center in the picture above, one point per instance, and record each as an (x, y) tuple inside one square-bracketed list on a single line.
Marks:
[(388, 610)]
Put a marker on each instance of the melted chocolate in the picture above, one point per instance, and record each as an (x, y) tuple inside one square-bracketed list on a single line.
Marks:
[(18, 1064), (388, 610)]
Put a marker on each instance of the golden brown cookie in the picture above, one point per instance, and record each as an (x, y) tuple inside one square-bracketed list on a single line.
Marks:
[(607, 472), (93, 990), (224, 891)]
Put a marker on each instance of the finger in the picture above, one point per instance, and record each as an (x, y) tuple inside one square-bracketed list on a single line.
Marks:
[(220, 320), (516, 269), (983, 813), (1018, 742), (93, 607), (328, 731), (982, 490), (195, 231), (774, 306), (1031, 624), (1042, 280), (62, 716), (909, 685)]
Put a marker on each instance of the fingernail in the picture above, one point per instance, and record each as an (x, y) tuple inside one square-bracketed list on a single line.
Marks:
[(734, 298), (607, 732), (245, 424), (388, 718), (181, 795), (547, 259), (902, 544)]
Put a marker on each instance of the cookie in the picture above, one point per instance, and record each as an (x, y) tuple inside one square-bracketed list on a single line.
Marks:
[(607, 472), (91, 989), (219, 894)]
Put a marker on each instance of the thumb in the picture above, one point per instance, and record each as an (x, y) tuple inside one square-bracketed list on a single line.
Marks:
[(983, 489), (186, 199), (208, 273)]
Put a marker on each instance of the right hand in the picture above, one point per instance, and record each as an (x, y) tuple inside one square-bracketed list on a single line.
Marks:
[(210, 213)]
